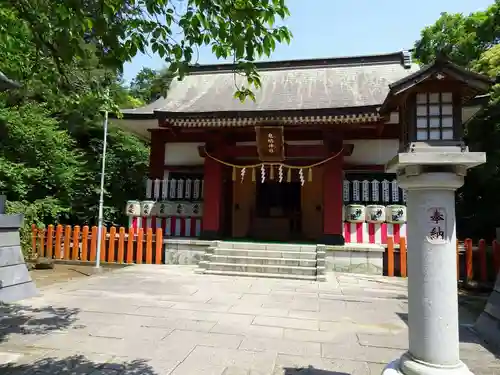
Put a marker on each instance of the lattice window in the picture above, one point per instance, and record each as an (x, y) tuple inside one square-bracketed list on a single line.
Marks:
[(434, 116)]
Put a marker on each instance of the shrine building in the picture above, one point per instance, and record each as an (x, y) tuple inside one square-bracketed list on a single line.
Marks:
[(306, 161)]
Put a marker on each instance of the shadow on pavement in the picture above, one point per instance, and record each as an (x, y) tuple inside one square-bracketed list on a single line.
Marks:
[(79, 364), (25, 320), (310, 371)]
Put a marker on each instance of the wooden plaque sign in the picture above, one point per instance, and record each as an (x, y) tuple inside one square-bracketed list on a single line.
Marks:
[(270, 143)]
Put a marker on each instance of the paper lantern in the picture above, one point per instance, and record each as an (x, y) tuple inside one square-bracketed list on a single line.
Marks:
[(396, 214), (355, 213), (163, 208), (197, 209), (147, 208), (133, 208), (375, 213)]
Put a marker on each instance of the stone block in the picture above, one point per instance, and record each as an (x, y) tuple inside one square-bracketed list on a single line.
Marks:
[(248, 330), (11, 255), (384, 341), (211, 339), (280, 346), (13, 275), (9, 222), (9, 238), (253, 361), (18, 292), (15, 280), (339, 261), (337, 336), (286, 322), (356, 352), (376, 262)]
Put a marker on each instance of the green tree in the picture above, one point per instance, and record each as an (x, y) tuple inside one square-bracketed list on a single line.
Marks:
[(242, 30), (473, 42), (51, 136)]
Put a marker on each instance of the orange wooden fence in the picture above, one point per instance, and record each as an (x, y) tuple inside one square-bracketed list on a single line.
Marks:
[(474, 263), (117, 246), (480, 263)]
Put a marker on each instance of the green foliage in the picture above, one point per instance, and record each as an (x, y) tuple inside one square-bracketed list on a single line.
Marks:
[(149, 84), (473, 41), (51, 137), (243, 30), (461, 38)]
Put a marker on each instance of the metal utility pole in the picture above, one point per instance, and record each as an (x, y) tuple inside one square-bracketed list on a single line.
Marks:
[(101, 192)]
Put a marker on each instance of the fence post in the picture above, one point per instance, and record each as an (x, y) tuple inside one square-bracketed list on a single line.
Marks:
[(390, 256), (130, 245), (75, 253), (103, 244), (58, 245), (469, 272), (140, 238), (159, 245), (121, 245), (111, 246), (67, 241), (50, 240), (93, 243), (402, 256), (41, 236), (149, 246), (34, 234), (85, 242), (483, 263)]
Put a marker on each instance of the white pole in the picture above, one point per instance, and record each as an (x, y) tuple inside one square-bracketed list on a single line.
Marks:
[(101, 192)]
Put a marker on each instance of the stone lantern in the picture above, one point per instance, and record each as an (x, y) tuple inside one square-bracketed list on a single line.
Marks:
[(431, 165)]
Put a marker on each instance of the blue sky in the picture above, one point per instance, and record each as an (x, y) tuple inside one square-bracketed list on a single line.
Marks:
[(331, 28)]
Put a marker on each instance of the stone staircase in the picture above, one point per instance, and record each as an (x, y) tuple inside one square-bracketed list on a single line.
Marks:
[(284, 261)]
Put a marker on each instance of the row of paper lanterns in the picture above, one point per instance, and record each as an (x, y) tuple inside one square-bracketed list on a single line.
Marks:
[(353, 213), (357, 213), (163, 209)]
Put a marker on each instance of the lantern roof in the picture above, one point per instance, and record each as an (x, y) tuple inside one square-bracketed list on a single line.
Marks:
[(472, 84)]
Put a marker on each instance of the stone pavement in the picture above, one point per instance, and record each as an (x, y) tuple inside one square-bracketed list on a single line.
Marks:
[(168, 320)]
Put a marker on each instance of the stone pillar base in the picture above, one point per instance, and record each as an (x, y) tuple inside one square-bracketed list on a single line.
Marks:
[(15, 280), (406, 365)]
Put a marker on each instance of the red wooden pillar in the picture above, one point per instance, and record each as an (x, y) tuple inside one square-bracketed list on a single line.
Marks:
[(332, 202), (157, 154), (212, 197)]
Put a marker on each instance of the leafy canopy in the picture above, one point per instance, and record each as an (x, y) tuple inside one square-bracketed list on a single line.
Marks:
[(241, 30)]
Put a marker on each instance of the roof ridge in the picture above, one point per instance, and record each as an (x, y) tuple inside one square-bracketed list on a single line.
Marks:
[(341, 61)]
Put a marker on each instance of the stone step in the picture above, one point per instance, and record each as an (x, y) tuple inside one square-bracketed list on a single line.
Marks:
[(266, 246), (265, 253), (263, 260), (260, 275), (262, 268)]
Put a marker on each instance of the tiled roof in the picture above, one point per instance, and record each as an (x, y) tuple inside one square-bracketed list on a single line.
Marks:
[(287, 85)]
